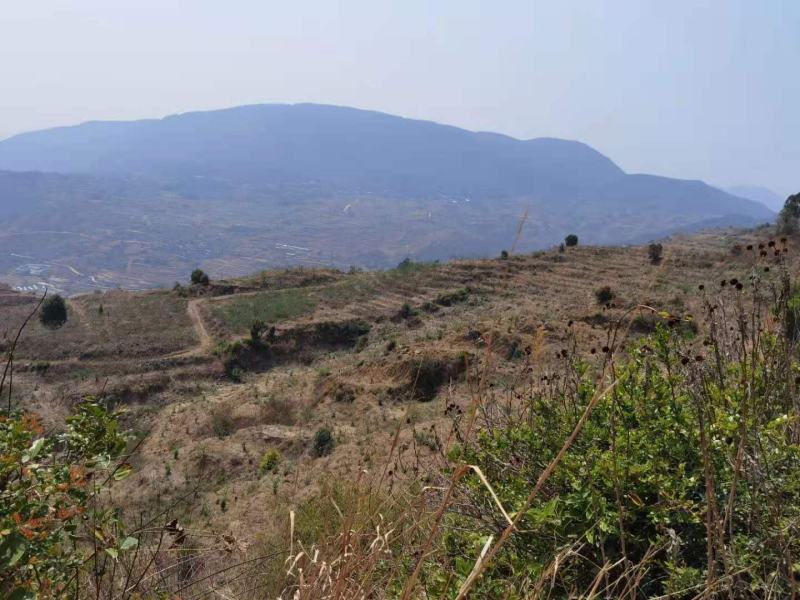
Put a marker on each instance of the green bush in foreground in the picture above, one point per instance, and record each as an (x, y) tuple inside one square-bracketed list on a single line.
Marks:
[(51, 524), (684, 481)]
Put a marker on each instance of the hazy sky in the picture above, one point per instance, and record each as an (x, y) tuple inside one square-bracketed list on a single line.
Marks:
[(707, 90)]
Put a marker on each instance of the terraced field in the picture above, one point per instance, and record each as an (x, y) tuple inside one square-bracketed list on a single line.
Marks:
[(157, 355)]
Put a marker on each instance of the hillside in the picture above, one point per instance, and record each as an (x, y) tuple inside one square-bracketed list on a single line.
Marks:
[(389, 363), (282, 185)]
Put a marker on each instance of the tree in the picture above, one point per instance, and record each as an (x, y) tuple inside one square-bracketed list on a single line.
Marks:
[(655, 252), (789, 217), (53, 313), (504, 254), (199, 277), (571, 240)]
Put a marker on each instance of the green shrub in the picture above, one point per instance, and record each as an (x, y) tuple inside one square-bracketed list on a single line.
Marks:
[(406, 311), (451, 298), (571, 240), (51, 505), (323, 442), (53, 312), (199, 277), (685, 472), (789, 217), (269, 461)]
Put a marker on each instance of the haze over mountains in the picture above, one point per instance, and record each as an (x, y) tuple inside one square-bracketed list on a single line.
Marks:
[(139, 203), (758, 193)]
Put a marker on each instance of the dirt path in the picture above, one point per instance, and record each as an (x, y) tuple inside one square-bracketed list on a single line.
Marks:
[(199, 326)]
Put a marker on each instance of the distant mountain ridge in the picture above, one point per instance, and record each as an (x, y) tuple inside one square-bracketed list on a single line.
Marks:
[(137, 203), (279, 144), (757, 193)]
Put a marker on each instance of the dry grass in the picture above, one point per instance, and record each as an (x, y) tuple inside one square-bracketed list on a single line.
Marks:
[(529, 307)]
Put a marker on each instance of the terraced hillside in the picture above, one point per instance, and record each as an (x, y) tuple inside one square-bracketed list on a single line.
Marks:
[(383, 360)]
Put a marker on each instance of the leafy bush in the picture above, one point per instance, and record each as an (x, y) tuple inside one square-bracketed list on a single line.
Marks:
[(257, 331), (51, 521), (199, 277), (571, 240), (53, 312), (604, 295), (681, 480), (323, 442), (789, 217), (451, 298), (269, 461), (504, 255), (406, 311)]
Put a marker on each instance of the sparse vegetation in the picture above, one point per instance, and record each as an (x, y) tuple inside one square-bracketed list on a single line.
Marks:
[(221, 422), (239, 314), (451, 298), (571, 240), (479, 384)]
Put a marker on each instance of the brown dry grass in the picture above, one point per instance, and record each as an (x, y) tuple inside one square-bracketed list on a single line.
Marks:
[(528, 306)]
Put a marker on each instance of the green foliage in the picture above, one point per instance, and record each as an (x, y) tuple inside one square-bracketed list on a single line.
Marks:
[(406, 311), (199, 277), (239, 314), (571, 240), (51, 522), (451, 298), (257, 330), (53, 312), (504, 255), (789, 217), (323, 442), (685, 464), (269, 461)]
